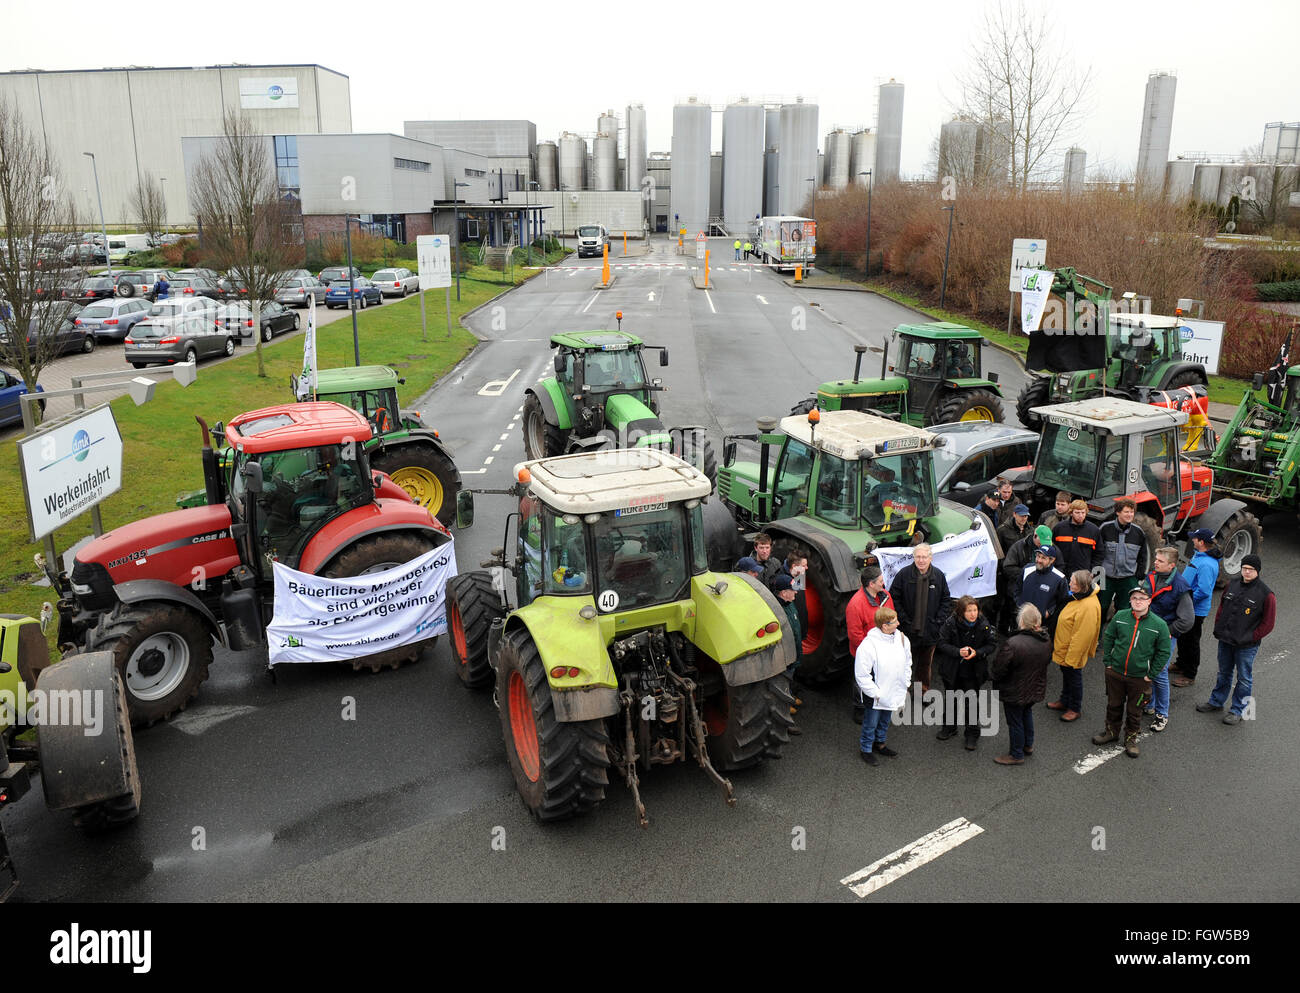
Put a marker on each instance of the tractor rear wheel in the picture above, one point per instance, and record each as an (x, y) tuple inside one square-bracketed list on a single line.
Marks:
[(116, 811), (542, 439), (1151, 530), (379, 554), (560, 767), (749, 723), (472, 606), (826, 642), (970, 405), (161, 650), (1239, 536), (803, 406), (1188, 378), (427, 475), (1037, 392), (698, 450)]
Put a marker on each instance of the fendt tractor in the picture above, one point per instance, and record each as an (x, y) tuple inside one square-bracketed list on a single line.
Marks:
[(1106, 448), (937, 380), (413, 455), (834, 486), (299, 489), (601, 397), (69, 722), (615, 644), (1140, 355)]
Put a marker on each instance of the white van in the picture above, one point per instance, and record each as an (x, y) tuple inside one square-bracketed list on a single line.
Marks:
[(123, 246), (592, 239)]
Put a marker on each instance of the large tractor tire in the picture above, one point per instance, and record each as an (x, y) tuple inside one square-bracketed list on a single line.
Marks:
[(699, 441), (542, 439), (803, 406), (970, 405), (749, 723), (1155, 539), (379, 554), (1036, 393), (472, 606), (826, 642), (161, 650), (560, 767), (1239, 536), (1188, 378), (427, 475)]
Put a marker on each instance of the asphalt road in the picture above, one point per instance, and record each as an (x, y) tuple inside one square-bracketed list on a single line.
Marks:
[(413, 800)]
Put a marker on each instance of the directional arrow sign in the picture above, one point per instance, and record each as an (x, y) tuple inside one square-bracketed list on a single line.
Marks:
[(650, 296)]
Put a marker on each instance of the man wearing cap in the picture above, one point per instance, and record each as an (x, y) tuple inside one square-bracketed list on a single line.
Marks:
[(1201, 574), (749, 564), (860, 616), (1123, 555), (1078, 539), (1044, 585), (1135, 649), (991, 504), (1014, 529), (1246, 614), (1171, 601), (783, 588), (1016, 557)]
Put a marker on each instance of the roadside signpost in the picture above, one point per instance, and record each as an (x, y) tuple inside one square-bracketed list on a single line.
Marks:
[(433, 252), (1026, 253)]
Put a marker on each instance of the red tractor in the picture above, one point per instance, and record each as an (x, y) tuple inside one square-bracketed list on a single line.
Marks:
[(297, 488)]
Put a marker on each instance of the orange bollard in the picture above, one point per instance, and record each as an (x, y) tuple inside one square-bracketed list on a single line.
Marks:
[(706, 268), (624, 242), (604, 269), (798, 274)]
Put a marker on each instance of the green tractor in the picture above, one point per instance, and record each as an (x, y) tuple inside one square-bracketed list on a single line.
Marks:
[(937, 380), (836, 487), (413, 455), (601, 397), (1140, 355), (617, 646)]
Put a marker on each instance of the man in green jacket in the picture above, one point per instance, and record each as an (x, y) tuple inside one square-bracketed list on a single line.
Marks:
[(1135, 648)]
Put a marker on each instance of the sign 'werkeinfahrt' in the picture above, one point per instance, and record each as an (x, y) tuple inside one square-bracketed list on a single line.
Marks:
[(69, 465)]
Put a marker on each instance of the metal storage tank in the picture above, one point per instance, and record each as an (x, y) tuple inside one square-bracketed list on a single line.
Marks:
[(572, 160), (636, 146), (957, 141), (605, 160), (689, 174), (1157, 123), (771, 149), (742, 165), (1206, 185), (607, 123), (771, 172), (1076, 160), (889, 132), (547, 165), (1180, 177), (838, 152), (1230, 177), (862, 156), (798, 159)]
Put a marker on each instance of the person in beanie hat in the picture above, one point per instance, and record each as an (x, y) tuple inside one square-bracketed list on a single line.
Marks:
[(1014, 561), (1135, 648), (783, 589), (1044, 585), (1246, 615), (1202, 575)]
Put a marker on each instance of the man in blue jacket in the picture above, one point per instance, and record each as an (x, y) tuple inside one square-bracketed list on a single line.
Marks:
[(1171, 601), (1201, 574), (1043, 585)]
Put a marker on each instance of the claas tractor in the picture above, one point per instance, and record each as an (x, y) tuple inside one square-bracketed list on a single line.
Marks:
[(602, 397), (1105, 448), (834, 487), (608, 640), (298, 489), (1139, 356), (937, 380), (69, 722)]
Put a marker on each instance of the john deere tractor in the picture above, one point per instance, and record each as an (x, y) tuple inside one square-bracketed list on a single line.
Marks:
[(416, 458), (601, 397), (835, 487), (608, 640), (936, 380), (1140, 355)]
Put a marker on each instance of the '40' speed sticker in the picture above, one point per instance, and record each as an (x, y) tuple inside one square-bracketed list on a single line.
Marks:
[(608, 600)]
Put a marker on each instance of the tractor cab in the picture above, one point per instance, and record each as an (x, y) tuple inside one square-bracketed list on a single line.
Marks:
[(370, 390), (593, 367), (1139, 343)]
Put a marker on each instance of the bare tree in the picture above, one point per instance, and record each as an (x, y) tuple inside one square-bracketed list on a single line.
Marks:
[(244, 222), (149, 207), (37, 218), (1024, 90)]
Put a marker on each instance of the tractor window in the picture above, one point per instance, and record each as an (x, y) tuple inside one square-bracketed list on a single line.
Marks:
[(918, 358), (302, 489), (792, 477), (699, 550), (613, 370), (1160, 466), (837, 490), (1067, 459), (530, 550), (379, 407), (566, 555), (961, 360), (640, 558), (897, 488), (1111, 481)]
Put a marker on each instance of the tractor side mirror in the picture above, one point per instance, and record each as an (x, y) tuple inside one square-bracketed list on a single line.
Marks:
[(464, 510), (993, 377), (252, 475), (559, 364), (376, 481), (1257, 382), (663, 356), (728, 453)]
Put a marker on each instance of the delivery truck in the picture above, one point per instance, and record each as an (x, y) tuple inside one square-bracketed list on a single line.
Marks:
[(786, 242)]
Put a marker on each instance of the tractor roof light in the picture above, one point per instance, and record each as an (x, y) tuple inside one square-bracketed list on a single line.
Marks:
[(814, 416), (523, 475)]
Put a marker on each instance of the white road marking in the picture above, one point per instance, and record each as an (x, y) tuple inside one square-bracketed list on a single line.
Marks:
[(503, 437), (898, 864), (710, 299), (1086, 764), (520, 410), (488, 460), (589, 303), (495, 387), (196, 720), (761, 298), (496, 448), (472, 472), (651, 296)]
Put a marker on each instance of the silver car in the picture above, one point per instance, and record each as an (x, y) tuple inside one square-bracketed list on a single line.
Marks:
[(396, 282), (112, 319), (297, 291)]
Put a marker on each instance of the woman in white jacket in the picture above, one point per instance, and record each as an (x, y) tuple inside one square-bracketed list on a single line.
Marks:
[(883, 669)]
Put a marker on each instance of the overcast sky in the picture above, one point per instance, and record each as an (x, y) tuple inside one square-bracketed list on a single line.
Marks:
[(561, 65)]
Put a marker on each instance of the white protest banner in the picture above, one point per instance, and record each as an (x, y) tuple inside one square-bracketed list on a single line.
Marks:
[(307, 381), (1035, 288), (318, 619), (966, 559)]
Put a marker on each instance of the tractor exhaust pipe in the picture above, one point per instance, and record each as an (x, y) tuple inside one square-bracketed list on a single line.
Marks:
[(766, 425), (857, 362), (211, 475)]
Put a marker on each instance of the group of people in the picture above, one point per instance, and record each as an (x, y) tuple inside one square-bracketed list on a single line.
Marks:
[(786, 579), (747, 248)]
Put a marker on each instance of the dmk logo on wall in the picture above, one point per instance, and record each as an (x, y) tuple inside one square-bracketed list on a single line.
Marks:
[(264, 92)]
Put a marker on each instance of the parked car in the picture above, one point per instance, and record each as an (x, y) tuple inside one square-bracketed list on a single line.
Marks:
[(976, 453), (88, 290), (11, 388), (122, 246), (396, 282), (180, 330), (363, 292), (193, 286), (143, 283), (331, 273), (112, 319), (68, 336), (298, 291), (237, 318), (211, 275)]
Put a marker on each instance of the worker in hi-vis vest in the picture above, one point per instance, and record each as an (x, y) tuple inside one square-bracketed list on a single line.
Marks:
[(737, 246)]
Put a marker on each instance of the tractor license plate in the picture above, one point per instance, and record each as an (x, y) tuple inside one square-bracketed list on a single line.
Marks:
[(643, 508)]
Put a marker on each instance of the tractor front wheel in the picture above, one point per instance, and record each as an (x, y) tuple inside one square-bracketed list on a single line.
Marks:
[(1037, 393), (1239, 536), (749, 723), (826, 640), (560, 767), (697, 449), (970, 405), (542, 439), (427, 475), (472, 606)]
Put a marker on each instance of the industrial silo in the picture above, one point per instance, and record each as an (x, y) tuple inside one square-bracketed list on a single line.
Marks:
[(636, 146), (889, 132), (771, 151), (1157, 123), (689, 173), (1230, 177), (607, 123), (797, 164), (742, 166), (862, 156), (957, 140), (573, 161), (838, 153), (605, 160), (547, 165), (1180, 178), (1206, 185), (1076, 160)]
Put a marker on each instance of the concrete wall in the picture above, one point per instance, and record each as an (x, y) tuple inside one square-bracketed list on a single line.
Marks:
[(618, 210), (346, 173), (516, 139)]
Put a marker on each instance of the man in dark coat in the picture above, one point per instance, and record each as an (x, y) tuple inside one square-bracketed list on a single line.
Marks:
[(1020, 676), (966, 641), (1016, 557), (922, 600), (1079, 541), (1246, 614)]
